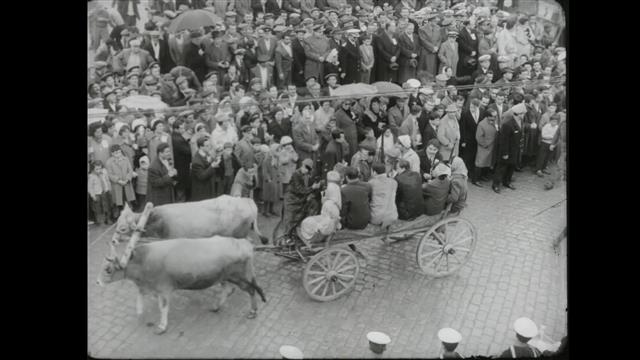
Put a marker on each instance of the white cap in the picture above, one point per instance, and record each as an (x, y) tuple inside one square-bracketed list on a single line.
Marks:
[(525, 327), (519, 109), (378, 338), (449, 335), (137, 122), (441, 169), (290, 352), (413, 83), (286, 140), (405, 140)]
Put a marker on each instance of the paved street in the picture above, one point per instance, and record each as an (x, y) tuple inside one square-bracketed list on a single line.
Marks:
[(513, 272)]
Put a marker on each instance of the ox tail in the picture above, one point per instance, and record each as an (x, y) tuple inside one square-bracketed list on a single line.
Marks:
[(250, 274)]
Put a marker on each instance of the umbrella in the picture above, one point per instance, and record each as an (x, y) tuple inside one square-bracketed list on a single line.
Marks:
[(96, 115), (359, 90), (193, 19), (387, 87), (143, 102)]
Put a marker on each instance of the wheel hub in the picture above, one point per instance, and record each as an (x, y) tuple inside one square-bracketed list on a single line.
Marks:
[(331, 275), (448, 249)]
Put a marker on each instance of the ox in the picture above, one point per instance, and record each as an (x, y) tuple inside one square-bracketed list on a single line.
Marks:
[(188, 264), (224, 215)]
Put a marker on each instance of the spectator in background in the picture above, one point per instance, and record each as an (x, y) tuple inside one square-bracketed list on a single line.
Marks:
[(356, 195), (142, 178), (203, 171), (458, 191), (99, 188), (162, 177), (436, 190), (287, 160), (409, 200), (383, 197), (182, 160), (546, 145), (120, 173)]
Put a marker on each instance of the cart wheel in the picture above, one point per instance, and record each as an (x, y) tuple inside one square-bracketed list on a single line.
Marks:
[(330, 274), (446, 247)]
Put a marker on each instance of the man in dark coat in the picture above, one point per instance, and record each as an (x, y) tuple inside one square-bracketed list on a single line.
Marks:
[(356, 196), (386, 51), (299, 58), (181, 160), (296, 195), (203, 171), (409, 52), (409, 199), (217, 55), (510, 139), (333, 152), (467, 49), (349, 55), (435, 191), (469, 120), (194, 55), (345, 122), (162, 178)]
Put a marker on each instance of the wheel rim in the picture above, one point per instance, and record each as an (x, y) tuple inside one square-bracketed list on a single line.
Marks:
[(446, 247), (330, 274)]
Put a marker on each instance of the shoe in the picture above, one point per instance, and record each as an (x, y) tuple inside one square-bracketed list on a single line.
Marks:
[(511, 187), (518, 169), (496, 189), (476, 183), (539, 173)]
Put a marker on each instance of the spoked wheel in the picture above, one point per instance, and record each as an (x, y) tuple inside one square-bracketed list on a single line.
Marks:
[(330, 274), (446, 247)]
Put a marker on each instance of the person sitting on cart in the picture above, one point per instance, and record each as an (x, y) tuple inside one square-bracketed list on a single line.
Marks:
[(383, 198), (429, 158), (409, 200), (458, 192), (297, 194), (436, 190), (316, 228), (356, 196)]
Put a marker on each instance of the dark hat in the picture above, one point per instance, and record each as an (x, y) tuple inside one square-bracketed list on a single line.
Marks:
[(154, 63), (300, 29), (310, 77), (318, 27), (210, 74), (336, 132), (239, 51), (130, 75), (134, 69), (195, 33), (507, 70), (269, 16), (266, 29)]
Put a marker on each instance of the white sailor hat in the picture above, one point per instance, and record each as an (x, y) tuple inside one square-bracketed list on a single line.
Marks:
[(405, 140), (525, 327), (449, 335), (290, 352), (378, 337)]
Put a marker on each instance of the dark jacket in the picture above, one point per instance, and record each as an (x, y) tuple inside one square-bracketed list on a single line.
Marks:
[(345, 122), (279, 130), (428, 133), (331, 156), (181, 158), (202, 178), (194, 61), (160, 184), (355, 212), (510, 139), (349, 56), (425, 164), (409, 195), (435, 196), (384, 50)]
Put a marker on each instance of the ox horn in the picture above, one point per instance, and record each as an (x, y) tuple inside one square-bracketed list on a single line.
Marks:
[(136, 235)]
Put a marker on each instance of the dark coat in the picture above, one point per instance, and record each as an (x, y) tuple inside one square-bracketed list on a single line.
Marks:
[(426, 166), (299, 58), (384, 50), (272, 7), (202, 178), (531, 135), (160, 184), (466, 45), (435, 196), (407, 47), (331, 156), (355, 212), (181, 159), (468, 129), (409, 195), (194, 61), (345, 123), (279, 130), (510, 139), (123, 7), (428, 133), (349, 56)]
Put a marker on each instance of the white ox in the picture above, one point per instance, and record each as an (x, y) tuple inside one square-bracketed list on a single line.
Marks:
[(191, 264), (224, 215)]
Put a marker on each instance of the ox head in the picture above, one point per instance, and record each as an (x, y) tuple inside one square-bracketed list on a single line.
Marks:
[(112, 269), (126, 223)]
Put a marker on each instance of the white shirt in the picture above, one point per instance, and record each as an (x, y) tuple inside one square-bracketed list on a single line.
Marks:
[(267, 43), (156, 49), (130, 11), (476, 115), (548, 132), (287, 48)]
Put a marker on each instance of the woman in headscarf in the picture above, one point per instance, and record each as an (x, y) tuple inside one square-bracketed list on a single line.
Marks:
[(317, 228), (374, 117), (458, 193)]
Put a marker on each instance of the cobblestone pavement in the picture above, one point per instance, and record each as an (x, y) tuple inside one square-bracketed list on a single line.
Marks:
[(513, 272)]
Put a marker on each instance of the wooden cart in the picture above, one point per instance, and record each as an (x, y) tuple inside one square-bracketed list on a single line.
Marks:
[(332, 268)]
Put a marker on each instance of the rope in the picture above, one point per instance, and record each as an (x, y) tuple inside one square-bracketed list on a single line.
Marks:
[(554, 80)]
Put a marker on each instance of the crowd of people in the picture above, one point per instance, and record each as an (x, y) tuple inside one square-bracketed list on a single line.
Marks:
[(252, 111)]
